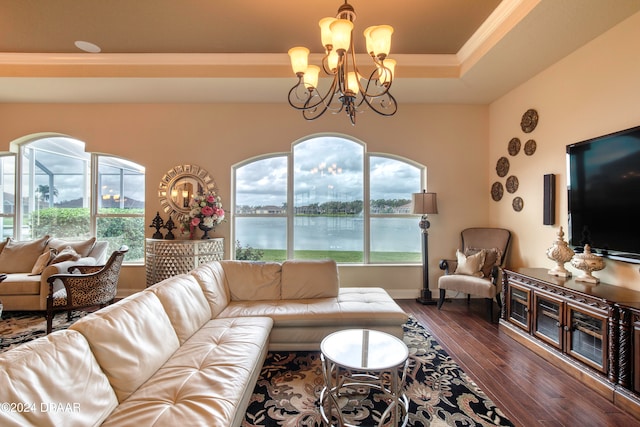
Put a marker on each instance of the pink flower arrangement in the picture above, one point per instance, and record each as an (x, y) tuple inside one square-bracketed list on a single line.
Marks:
[(205, 209)]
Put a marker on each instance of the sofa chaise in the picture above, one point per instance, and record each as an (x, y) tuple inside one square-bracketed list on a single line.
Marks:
[(28, 265), (186, 351)]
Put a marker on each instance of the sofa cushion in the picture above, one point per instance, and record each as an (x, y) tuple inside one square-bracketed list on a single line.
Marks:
[(211, 279), (208, 382), (309, 279), (252, 281), (82, 247), (43, 260), (60, 377), (66, 254), (131, 340), (184, 302), (20, 284), (19, 257)]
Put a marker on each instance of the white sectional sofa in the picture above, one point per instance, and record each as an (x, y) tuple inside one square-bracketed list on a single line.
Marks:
[(186, 351)]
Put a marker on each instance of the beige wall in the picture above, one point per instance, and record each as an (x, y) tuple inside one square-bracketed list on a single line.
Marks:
[(450, 140), (592, 92)]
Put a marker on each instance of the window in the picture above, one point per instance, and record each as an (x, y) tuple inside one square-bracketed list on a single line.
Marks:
[(68, 193), (328, 198)]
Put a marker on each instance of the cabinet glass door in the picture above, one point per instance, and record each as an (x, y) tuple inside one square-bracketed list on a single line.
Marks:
[(586, 336), (548, 318), (518, 310)]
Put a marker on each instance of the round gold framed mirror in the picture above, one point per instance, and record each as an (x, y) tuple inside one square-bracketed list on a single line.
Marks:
[(178, 186)]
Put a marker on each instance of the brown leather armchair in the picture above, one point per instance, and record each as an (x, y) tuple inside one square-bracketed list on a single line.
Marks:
[(477, 265), (94, 286)]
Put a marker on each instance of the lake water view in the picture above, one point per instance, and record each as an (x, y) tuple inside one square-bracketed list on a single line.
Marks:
[(338, 233)]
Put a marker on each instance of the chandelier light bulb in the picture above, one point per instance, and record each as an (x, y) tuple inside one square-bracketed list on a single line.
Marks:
[(352, 82), (311, 76), (369, 41), (341, 34), (386, 71), (332, 61), (325, 31), (299, 59), (381, 40)]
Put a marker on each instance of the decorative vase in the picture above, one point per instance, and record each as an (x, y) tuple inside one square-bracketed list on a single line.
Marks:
[(560, 252), (206, 230), (588, 263)]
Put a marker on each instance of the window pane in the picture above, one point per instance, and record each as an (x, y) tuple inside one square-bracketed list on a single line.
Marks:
[(328, 191), (121, 206), (123, 230), (260, 210), (392, 182), (395, 240), (261, 238), (121, 185), (55, 189), (394, 234), (7, 194)]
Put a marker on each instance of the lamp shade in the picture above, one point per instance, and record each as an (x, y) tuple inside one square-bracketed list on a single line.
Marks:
[(425, 203), (311, 76), (299, 59)]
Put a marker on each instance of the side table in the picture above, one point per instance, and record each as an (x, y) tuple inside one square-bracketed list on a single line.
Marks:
[(353, 359), (167, 258)]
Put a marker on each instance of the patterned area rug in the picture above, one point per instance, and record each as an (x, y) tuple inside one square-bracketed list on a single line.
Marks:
[(17, 327), (439, 392)]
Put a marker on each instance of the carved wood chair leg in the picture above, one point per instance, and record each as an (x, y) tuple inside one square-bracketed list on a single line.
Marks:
[(499, 300), (443, 293), (49, 321)]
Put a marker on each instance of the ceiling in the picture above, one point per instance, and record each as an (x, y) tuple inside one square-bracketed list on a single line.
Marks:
[(448, 51)]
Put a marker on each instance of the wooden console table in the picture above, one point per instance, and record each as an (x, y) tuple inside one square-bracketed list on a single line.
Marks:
[(167, 258), (590, 331)]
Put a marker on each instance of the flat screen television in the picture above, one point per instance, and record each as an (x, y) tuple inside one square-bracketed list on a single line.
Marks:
[(604, 194)]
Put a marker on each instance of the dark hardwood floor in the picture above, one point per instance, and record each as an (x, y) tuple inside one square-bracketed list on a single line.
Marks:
[(529, 390)]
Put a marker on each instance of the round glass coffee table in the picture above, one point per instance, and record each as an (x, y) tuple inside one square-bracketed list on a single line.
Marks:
[(362, 359)]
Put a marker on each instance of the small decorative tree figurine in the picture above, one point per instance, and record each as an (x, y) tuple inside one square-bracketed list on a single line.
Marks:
[(561, 253), (170, 225), (157, 223)]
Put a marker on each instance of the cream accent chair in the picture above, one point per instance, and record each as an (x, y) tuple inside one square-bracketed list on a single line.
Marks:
[(474, 272)]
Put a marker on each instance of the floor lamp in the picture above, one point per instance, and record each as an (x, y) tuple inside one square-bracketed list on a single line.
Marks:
[(423, 204)]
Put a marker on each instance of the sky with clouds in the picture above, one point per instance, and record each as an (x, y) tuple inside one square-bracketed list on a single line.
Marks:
[(326, 169)]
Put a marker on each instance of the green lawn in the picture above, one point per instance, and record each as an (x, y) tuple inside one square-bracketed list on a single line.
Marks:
[(344, 256)]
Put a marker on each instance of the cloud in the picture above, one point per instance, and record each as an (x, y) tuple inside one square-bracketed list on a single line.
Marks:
[(326, 168)]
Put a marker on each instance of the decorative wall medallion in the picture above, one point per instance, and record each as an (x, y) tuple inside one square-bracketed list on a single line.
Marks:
[(517, 204), (512, 184), (514, 146), (497, 191), (502, 167), (530, 147), (529, 121)]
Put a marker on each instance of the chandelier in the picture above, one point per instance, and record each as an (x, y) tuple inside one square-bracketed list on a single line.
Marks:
[(350, 91)]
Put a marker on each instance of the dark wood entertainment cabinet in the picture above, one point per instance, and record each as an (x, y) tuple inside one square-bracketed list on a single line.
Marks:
[(590, 331)]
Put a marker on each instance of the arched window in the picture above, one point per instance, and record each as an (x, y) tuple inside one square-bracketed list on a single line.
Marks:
[(65, 192), (327, 198)]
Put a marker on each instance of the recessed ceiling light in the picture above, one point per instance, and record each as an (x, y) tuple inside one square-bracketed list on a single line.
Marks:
[(87, 46)]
